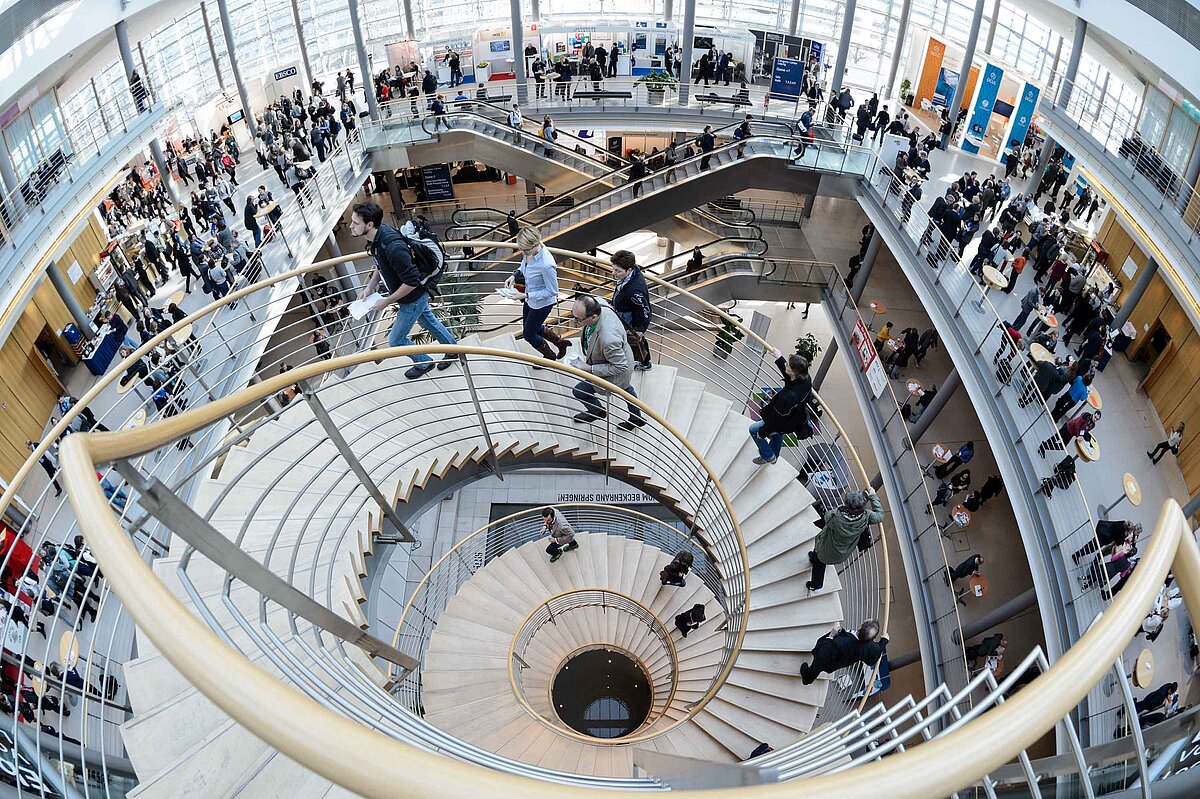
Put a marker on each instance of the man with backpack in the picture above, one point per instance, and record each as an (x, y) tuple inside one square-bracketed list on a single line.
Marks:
[(408, 264)]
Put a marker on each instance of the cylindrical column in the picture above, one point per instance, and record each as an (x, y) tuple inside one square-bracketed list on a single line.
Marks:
[(864, 269), (901, 32), (1068, 83), (128, 63), (1192, 507), (794, 18), (991, 39), (347, 275), (409, 25), (809, 201), (1057, 56), (364, 63), (164, 173), (965, 71), (227, 29), (949, 386), (308, 72), (685, 65), (518, 45), (668, 10), (63, 287), (7, 173), (535, 9), (212, 48), (1135, 294), (1013, 607), (826, 362), (839, 64)]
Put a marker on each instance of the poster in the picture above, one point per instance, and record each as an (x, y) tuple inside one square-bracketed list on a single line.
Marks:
[(864, 346), (786, 77), (75, 272), (1024, 115), (943, 92), (985, 101), (438, 185)]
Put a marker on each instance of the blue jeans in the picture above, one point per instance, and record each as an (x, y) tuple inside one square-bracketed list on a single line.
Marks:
[(533, 323), (769, 447), (417, 313)]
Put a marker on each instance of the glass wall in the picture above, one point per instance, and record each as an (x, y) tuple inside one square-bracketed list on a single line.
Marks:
[(36, 136)]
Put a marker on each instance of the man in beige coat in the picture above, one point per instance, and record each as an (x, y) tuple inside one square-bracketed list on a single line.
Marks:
[(606, 354)]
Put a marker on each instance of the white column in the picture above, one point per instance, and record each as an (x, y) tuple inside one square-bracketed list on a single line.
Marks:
[(212, 48), (965, 71), (685, 65), (901, 32), (518, 46), (839, 65), (308, 72), (364, 63), (227, 29)]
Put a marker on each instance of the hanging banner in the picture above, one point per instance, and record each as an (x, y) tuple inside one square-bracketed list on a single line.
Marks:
[(943, 92), (1023, 117), (984, 102), (438, 185), (785, 78), (864, 345)]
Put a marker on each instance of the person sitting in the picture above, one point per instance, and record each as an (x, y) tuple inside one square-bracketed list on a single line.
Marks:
[(838, 649)]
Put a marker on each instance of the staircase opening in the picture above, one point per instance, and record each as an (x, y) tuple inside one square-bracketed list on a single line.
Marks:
[(603, 693)]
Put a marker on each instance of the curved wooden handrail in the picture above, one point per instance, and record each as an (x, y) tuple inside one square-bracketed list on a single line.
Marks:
[(626, 740)]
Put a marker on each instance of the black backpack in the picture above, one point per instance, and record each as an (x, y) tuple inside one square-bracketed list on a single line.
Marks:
[(427, 255)]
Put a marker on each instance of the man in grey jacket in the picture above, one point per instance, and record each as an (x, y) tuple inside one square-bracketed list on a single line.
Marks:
[(562, 535), (606, 354), (842, 530)]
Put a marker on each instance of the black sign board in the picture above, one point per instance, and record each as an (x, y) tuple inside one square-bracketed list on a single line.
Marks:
[(438, 185)]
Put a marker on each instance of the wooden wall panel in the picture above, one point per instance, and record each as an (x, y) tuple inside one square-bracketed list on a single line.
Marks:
[(935, 51), (1148, 310)]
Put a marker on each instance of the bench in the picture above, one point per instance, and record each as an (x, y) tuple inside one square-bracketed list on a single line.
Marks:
[(715, 98), (601, 95)]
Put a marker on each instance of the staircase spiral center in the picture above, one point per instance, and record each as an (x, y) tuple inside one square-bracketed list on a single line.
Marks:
[(602, 692)]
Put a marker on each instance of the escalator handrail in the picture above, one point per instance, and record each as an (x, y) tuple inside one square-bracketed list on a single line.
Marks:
[(688, 252)]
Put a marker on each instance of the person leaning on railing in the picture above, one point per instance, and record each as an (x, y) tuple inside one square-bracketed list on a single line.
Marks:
[(838, 649), (787, 411), (843, 530)]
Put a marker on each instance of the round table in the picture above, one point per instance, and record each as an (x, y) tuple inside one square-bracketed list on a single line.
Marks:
[(1130, 490), (137, 420), (1093, 398), (178, 296), (269, 208), (940, 455), (1089, 449), (1039, 353), (39, 687), (183, 333), (1046, 317), (993, 278), (960, 518), (913, 386), (68, 649), (977, 586), (123, 388), (1143, 669), (877, 307)]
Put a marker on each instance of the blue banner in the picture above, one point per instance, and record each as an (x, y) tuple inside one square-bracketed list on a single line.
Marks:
[(785, 79), (1023, 116), (943, 92), (984, 102)]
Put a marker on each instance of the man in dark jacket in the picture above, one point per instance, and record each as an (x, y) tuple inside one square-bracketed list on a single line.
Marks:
[(631, 301), (707, 141), (786, 412), (401, 284), (842, 531), (838, 649)]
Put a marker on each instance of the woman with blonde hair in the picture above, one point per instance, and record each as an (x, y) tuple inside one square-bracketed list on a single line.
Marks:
[(539, 274)]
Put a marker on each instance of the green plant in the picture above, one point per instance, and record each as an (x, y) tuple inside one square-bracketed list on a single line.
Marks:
[(482, 64), (657, 80), (728, 333), (905, 86), (808, 347), (459, 305)]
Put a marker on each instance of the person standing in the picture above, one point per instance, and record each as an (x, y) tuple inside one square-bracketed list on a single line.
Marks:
[(1171, 444), (540, 277), (403, 282), (606, 354), (49, 459), (637, 173), (1081, 425), (690, 620), (838, 649), (786, 412), (706, 141), (631, 301), (842, 531), (562, 535), (675, 571), (250, 220)]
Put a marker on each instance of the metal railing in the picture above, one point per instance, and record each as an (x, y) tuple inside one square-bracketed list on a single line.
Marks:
[(662, 673)]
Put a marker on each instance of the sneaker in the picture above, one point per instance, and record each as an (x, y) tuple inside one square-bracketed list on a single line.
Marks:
[(760, 460), (633, 423), (588, 418), (571, 546), (811, 589), (416, 371), (555, 557), (643, 367), (447, 362)]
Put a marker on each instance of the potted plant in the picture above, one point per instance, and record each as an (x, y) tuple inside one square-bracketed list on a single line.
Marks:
[(657, 82), (727, 335), (808, 348), (906, 93), (481, 72), (458, 304)]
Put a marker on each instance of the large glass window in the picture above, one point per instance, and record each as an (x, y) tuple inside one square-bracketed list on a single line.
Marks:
[(1153, 121)]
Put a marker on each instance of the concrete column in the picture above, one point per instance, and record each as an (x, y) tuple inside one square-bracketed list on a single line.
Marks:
[(1064, 92), (393, 187), (1190, 175), (839, 64), (535, 9), (364, 63), (1135, 294), (127, 56), (991, 39), (794, 18), (308, 72), (685, 65), (346, 272), (1013, 607), (7, 173), (1192, 507), (212, 48), (826, 363), (518, 45), (1057, 56), (945, 392), (409, 26), (965, 71), (868, 263), (63, 287), (668, 10), (227, 30), (901, 32), (809, 201), (670, 253), (160, 163)]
